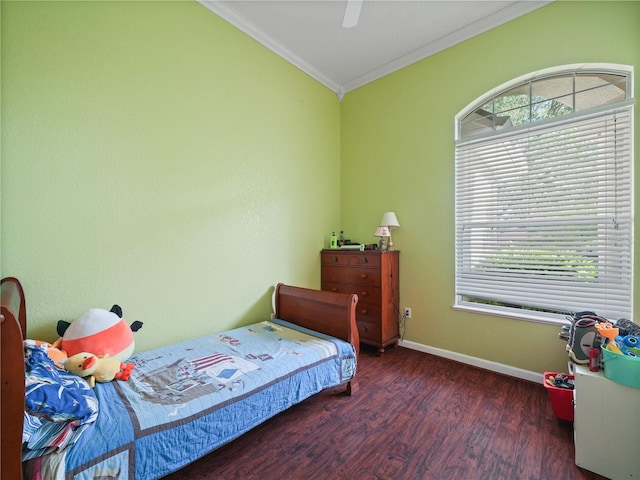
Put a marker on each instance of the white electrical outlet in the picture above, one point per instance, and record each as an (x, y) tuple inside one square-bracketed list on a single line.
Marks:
[(407, 312)]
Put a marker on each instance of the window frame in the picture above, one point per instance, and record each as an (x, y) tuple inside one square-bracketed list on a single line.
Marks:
[(516, 312)]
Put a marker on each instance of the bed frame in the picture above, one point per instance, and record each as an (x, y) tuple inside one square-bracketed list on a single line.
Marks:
[(327, 312)]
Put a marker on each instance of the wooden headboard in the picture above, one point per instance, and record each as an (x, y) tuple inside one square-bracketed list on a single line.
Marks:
[(13, 317)]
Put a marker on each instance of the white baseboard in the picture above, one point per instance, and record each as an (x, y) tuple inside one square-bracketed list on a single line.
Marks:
[(475, 361)]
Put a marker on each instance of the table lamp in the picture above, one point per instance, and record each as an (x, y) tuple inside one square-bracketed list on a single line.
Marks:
[(390, 221)]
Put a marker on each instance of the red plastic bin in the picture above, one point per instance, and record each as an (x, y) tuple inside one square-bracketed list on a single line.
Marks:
[(561, 398)]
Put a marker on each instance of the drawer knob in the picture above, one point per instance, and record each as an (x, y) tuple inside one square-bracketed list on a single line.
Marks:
[(363, 275), (364, 259), (364, 311), (334, 259), (364, 294), (334, 289)]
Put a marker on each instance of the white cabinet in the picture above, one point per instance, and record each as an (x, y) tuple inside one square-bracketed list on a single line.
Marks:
[(606, 425)]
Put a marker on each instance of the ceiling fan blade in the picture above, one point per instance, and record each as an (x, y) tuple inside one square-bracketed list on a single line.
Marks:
[(352, 13)]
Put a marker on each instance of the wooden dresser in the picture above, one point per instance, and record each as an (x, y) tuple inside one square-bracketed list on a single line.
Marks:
[(374, 276)]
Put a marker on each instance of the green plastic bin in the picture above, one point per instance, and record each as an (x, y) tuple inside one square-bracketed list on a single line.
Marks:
[(621, 368)]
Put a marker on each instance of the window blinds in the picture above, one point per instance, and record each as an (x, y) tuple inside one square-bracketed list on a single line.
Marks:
[(543, 216)]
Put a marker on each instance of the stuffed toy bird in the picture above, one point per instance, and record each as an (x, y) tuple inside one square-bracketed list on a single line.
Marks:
[(100, 369)]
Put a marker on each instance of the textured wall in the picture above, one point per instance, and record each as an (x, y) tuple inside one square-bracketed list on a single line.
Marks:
[(398, 138), (156, 157)]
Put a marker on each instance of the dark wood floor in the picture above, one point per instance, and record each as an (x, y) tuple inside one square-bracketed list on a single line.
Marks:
[(416, 416)]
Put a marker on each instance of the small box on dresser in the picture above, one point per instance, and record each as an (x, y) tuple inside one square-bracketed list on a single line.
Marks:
[(374, 277)]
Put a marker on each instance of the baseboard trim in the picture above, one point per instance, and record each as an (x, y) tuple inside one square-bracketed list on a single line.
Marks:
[(475, 361)]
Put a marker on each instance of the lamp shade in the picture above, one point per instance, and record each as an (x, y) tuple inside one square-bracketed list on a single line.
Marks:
[(390, 220), (382, 231)]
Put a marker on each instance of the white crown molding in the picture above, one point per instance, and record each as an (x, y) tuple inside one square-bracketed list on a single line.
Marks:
[(260, 36), (513, 11)]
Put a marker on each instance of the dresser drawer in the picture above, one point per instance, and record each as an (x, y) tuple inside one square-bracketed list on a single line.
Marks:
[(334, 258), (345, 258), (365, 260), (366, 293), (369, 331), (368, 313), (352, 275)]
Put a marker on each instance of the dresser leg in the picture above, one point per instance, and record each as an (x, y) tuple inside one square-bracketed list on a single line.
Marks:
[(381, 349)]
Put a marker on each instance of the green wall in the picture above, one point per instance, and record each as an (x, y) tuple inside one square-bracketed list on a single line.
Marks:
[(398, 138), (156, 157)]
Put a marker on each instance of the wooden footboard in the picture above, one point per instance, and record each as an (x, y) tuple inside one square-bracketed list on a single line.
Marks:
[(327, 312), (13, 318)]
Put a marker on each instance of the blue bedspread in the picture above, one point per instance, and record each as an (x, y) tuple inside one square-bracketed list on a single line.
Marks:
[(187, 399)]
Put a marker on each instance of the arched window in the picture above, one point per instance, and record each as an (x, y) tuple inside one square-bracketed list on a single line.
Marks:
[(544, 196)]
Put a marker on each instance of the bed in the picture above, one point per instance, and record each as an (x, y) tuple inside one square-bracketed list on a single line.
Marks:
[(184, 400)]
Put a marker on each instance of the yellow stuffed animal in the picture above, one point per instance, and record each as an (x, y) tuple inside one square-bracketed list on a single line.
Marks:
[(102, 369)]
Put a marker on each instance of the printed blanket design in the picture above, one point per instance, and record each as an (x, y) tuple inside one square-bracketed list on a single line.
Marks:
[(187, 399)]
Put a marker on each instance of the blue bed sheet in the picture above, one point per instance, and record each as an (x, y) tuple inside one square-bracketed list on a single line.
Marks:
[(187, 399)]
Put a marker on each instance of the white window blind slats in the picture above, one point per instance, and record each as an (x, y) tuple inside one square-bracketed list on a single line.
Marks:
[(569, 298), (543, 216)]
